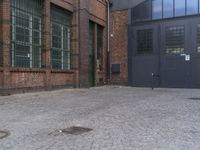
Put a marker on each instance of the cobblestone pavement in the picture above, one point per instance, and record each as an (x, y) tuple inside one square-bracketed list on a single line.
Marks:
[(122, 118)]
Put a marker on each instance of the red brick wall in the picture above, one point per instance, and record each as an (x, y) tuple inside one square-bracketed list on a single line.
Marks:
[(119, 45), (94, 10), (22, 79), (98, 9), (58, 79)]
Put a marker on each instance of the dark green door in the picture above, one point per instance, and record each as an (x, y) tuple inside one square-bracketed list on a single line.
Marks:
[(91, 72)]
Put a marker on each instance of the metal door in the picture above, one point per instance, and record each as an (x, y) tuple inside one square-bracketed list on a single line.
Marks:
[(178, 57), (142, 65)]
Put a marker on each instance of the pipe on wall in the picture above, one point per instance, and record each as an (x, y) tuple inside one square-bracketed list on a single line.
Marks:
[(108, 41)]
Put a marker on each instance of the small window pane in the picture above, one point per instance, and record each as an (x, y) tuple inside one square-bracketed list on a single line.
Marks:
[(144, 41), (175, 39), (179, 7), (192, 7), (157, 9), (168, 8)]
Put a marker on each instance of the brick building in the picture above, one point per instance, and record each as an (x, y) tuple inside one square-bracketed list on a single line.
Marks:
[(52, 43)]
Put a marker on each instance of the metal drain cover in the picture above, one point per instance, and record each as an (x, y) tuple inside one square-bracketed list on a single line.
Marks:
[(195, 98), (75, 130), (4, 134)]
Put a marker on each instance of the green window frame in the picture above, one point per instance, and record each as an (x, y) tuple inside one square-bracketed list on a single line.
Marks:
[(100, 47), (26, 29), (60, 38)]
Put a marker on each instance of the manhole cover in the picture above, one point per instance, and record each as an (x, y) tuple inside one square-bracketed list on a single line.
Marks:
[(4, 134), (195, 98), (75, 130)]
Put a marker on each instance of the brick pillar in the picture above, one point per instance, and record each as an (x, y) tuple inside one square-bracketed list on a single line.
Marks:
[(6, 42), (74, 43), (83, 43), (46, 54), (84, 39)]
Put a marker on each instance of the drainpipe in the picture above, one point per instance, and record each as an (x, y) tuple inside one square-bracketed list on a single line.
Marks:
[(108, 41), (79, 44)]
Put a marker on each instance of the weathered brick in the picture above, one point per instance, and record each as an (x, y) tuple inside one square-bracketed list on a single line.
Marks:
[(119, 45), (82, 13)]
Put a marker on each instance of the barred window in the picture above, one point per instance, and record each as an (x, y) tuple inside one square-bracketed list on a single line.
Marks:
[(26, 33), (175, 39), (61, 35), (145, 41)]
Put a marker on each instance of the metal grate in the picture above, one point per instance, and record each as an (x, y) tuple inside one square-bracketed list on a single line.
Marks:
[(61, 38), (26, 16), (144, 41), (75, 130), (175, 40), (4, 134)]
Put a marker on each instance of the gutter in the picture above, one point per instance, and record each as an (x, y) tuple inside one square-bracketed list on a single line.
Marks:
[(108, 41)]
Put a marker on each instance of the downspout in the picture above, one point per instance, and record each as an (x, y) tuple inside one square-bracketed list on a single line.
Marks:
[(108, 42), (79, 44)]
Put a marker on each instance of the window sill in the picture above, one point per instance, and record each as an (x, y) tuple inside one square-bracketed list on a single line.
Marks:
[(61, 71), (42, 70)]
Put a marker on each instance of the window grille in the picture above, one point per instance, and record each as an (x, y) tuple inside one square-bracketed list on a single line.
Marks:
[(144, 41), (61, 38), (26, 33), (175, 39)]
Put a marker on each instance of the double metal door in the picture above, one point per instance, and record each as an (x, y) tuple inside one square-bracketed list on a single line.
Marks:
[(175, 57)]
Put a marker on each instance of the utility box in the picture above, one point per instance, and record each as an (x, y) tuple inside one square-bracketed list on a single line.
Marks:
[(115, 68)]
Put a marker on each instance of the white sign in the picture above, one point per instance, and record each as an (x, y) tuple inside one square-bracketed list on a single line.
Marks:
[(187, 57)]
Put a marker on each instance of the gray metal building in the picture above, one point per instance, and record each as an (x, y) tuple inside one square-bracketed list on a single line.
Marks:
[(164, 42)]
